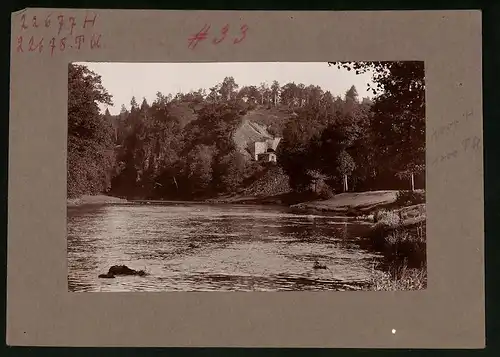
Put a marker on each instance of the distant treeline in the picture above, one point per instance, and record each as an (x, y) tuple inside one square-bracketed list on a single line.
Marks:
[(182, 146)]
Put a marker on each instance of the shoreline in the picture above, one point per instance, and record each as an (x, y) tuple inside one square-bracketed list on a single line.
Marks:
[(350, 204), (87, 200), (395, 230)]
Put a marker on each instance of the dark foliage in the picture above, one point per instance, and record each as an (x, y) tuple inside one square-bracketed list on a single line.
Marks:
[(409, 198), (90, 144), (182, 146)]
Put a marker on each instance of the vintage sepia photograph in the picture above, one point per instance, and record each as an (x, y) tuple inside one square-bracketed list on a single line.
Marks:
[(246, 176)]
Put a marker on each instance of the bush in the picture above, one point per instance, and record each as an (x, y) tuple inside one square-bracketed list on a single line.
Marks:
[(352, 212), (251, 106), (398, 241), (325, 192), (404, 235), (410, 198), (389, 219), (378, 215)]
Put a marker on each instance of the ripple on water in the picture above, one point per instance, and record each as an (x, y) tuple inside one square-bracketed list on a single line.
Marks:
[(213, 248)]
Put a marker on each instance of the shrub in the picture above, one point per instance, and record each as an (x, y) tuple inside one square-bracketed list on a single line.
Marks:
[(388, 219), (399, 241), (378, 215), (325, 192), (251, 106), (400, 236), (352, 212), (409, 198)]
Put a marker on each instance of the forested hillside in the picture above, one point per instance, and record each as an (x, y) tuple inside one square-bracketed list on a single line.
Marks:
[(184, 146)]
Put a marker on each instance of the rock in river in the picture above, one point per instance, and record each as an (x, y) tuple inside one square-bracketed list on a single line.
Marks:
[(121, 270)]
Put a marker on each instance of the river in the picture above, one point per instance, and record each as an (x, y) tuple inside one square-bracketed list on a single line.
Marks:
[(207, 247)]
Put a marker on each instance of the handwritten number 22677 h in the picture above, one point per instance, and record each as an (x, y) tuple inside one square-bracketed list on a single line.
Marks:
[(203, 35)]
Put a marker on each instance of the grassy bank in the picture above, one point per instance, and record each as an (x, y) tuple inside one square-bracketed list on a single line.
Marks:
[(93, 200), (398, 229), (401, 232), (364, 205), (284, 199), (400, 235), (353, 203), (401, 278)]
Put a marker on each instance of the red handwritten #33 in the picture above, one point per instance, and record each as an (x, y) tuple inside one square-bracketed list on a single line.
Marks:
[(203, 34)]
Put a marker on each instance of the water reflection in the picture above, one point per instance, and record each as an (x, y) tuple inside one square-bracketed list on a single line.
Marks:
[(195, 247)]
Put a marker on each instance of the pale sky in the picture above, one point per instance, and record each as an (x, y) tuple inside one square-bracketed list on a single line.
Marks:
[(124, 80)]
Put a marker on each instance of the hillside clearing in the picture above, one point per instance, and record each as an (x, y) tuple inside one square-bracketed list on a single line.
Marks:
[(273, 119)]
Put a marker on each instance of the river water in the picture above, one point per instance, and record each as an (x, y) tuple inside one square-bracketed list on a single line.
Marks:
[(202, 247)]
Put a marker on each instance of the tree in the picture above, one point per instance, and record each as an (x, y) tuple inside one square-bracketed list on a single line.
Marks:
[(114, 121), (164, 151), (133, 103), (352, 94), (231, 171), (335, 147), (313, 95), (250, 94), (318, 180), (193, 98), (160, 98), (289, 94), (301, 94), (150, 150), (296, 151), (144, 104), (264, 93), (398, 113), (275, 92), (228, 88), (345, 166), (213, 96), (367, 101), (327, 102), (199, 167), (90, 134)]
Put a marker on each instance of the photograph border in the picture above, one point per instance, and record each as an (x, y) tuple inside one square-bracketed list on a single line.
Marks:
[(397, 274), (37, 209)]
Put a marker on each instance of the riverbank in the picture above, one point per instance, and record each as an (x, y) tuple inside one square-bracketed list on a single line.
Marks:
[(398, 231), (284, 199), (394, 229), (400, 279), (401, 232), (349, 203), (352, 203), (400, 235), (93, 200)]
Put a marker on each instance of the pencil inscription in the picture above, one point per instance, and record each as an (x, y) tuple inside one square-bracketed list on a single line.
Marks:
[(71, 32)]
